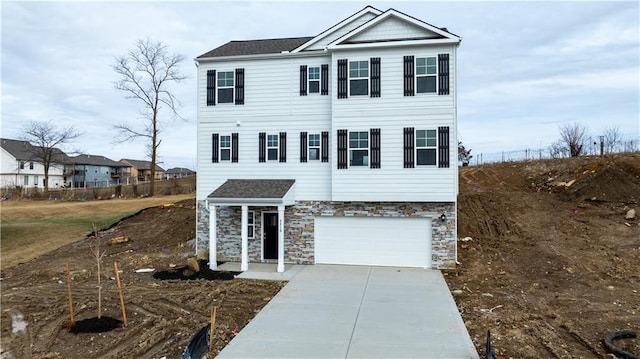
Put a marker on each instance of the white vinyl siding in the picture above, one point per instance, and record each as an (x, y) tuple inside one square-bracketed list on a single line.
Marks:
[(393, 29)]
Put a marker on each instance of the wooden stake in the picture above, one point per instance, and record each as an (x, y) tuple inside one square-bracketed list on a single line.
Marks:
[(124, 312), (69, 291), (213, 326)]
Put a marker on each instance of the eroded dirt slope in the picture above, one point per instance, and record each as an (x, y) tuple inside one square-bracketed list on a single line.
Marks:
[(553, 265)]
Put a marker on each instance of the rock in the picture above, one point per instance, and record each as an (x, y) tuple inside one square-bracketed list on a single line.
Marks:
[(193, 264), (631, 214), (611, 287), (457, 291)]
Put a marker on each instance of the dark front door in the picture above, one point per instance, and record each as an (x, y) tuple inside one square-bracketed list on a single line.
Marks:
[(270, 236)]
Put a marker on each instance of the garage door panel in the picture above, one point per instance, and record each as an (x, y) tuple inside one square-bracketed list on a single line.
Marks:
[(373, 241)]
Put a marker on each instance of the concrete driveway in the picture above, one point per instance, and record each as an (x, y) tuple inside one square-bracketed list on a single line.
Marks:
[(357, 312)]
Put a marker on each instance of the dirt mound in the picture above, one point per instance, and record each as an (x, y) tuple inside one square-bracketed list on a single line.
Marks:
[(548, 270)]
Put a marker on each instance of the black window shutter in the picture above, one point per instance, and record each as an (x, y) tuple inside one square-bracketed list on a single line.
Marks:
[(303, 80), (443, 147), (325, 146), (408, 76), (262, 146), (409, 142), (342, 78), (342, 149), (234, 147), (375, 147), (443, 75), (239, 86), (211, 87), (283, 147), (375, 76), (324, 79), (303, 147), (215, 145)]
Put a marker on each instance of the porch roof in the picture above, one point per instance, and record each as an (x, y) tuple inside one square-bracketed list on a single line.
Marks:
[(254, 191)]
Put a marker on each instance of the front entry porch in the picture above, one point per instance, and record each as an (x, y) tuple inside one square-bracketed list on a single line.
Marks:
[(253, 193)]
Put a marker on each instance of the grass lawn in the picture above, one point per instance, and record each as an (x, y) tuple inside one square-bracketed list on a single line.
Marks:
[(32, 228)]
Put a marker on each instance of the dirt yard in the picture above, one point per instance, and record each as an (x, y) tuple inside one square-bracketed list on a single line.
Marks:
[(551, 267)]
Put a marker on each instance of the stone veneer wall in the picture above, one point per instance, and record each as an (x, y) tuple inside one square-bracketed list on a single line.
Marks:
[(299, 228)]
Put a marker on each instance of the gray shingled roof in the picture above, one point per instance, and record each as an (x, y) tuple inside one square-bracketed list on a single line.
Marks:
[(256, 47), (142, 165), (25, 151), (95, 160), (253, 188)]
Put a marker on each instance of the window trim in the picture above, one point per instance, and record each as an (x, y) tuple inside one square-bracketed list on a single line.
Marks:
[(318, 147), (232, 87), (223, 148), (276, 147), (416, 76), (351, 149), (318, 80), (368, 77), (31, 165), (426, 147)]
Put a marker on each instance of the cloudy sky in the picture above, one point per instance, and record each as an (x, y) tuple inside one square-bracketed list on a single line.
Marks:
[(525, 68)]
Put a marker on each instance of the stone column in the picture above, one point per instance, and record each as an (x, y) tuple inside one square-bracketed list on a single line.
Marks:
[(213, 262)]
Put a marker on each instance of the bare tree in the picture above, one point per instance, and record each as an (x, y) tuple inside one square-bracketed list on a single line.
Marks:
[(145, 73), (45, 139), (464, 155), (612, 139), (574, 137), (98, 254)]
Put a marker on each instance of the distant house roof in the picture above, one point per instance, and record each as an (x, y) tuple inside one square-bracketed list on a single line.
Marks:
[(178, 170), (141, 165), (256, 47), (25, 151), (95, 160), (252, 188)]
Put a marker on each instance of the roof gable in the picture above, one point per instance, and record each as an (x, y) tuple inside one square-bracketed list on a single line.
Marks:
[(394, 26), (95, 160), (140, 165), (320, 41), (252, 189)]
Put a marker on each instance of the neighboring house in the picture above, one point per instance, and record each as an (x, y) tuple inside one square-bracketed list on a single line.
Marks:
[(95, 171), (338, 148), (19, 167), (178, 172), (141, 170)]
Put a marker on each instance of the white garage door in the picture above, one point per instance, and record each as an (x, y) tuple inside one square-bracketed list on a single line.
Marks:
[(380, 241)]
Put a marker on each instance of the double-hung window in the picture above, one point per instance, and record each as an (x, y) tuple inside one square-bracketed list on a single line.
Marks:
[(426, 73), (225, 86), (225, 148), (314, 79), (30, 165), (272, 147), (426, 147), (25, 180), (314, 146), (359, 148), (358, 78)]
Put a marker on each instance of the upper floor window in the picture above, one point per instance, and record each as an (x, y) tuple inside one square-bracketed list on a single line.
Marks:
[(272, 147), (426, 72), (225, 86), (314, 79), (358, 78), (359, 148), (225, 148), (314, 146), (426, 146), (21, 165)]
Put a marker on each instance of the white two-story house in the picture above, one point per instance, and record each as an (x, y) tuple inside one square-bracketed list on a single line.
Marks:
[(338, 148)]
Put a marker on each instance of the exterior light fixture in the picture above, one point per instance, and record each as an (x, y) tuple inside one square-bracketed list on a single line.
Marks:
[(443, 218)]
